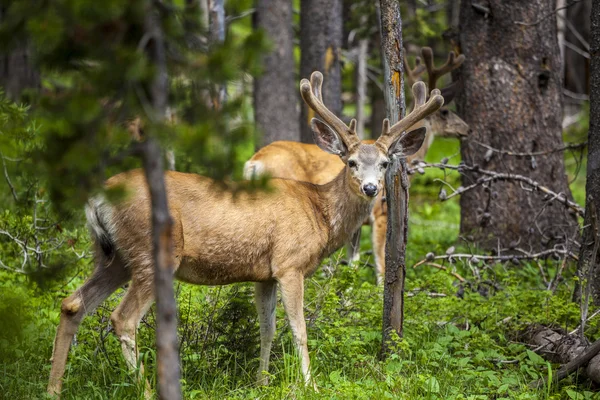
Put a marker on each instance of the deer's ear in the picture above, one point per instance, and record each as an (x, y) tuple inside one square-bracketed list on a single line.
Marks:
[(327, 139), (409, 143)]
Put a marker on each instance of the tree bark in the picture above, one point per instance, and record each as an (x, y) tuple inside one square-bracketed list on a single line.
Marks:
[(162, 241), (396, 181), (588, 261), (276, 108), (512, 100), (17, 71), (321, 28)]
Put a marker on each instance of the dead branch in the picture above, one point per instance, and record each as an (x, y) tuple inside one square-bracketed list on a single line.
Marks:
[(7, 178), (443, 268), (498, 176), (476, 258)]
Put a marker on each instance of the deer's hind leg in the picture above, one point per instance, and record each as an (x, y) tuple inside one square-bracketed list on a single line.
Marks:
[(266, 300), (127, 316), (108, 276)]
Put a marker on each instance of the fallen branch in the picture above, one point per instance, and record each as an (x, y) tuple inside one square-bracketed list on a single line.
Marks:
[(586, 357)]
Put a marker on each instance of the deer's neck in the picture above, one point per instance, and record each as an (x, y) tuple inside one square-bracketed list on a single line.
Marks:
[(343, 210)]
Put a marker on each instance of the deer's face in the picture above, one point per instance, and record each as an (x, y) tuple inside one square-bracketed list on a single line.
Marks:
[(445, 123), (365, 169), (366, 163)]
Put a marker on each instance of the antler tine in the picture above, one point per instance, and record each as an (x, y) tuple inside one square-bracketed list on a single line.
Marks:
[(412, 74), (316, 81), (434, 73), (312, 97), (421, 110)]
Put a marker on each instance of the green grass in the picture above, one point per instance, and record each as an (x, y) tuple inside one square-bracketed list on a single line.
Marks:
[(454, 347)]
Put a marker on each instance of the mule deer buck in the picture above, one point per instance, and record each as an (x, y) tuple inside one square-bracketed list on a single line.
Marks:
[(305, 162), (270, 238)]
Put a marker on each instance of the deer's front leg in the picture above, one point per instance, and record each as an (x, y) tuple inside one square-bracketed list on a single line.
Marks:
[(292, 294), (265, 295)]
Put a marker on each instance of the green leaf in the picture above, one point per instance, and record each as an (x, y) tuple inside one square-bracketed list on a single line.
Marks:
[(535, 358), (432, 385)]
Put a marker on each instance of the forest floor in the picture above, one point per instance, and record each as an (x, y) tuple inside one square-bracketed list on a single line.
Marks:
[(462, 341)]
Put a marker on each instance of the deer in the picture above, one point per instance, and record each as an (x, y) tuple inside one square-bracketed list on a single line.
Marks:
[(272, 238), (305, 162)]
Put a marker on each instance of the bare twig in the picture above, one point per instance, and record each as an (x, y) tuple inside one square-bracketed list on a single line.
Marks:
[(575, 96), (8, 181), (439, 266), (588, 319), (576, 49)]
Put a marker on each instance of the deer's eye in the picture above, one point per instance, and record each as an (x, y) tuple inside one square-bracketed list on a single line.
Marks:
[(444, 112), (385, 164), (352, 164)]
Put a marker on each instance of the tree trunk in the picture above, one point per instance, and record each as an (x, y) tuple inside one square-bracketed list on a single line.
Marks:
[(321, 28), (361, 86), (17, 71), (216, 17), (512, 101), (396, 180), (577, 34), (275, 92), (162, 241), (378, 112), (588, 261)]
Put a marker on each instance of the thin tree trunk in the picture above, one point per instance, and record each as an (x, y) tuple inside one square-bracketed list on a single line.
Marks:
[(577, 34), (561, 26), (276, 109), (166, 307), (452, 13), (361, 85), (378, 111), (589, 257), (512, 100), (396, 181), (216, 17), (17, 71), (321, 28)]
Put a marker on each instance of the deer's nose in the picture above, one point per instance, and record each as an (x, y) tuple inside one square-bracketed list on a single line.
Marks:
[(370, 189)]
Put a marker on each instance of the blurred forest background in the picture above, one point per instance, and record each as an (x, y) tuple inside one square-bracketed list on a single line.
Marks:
[(497, 257)]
